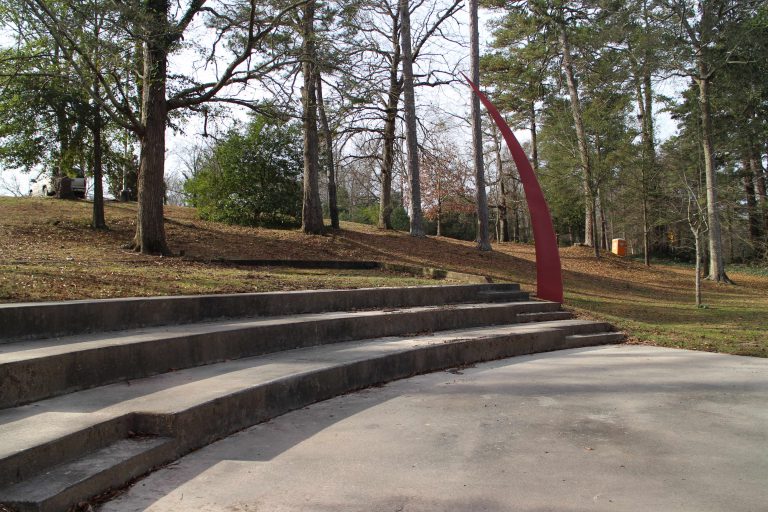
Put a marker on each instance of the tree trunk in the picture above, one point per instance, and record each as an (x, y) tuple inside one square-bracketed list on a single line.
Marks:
[(390, 121), (729, 217), (150, 228), (697, 282), (333, 206), (62, 133), (502, 208), (649, 143), (646, 237), (534, 138), (749, 192), (409, 104), (716, 265), (596, 242), (312, 212), (603, 222), (644, 96), (439, 219), (581, 137), (483, 242), (757, 169), (98, 221), (517, 236)]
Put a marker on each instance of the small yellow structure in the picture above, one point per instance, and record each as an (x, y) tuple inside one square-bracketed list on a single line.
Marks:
[(619, 247)]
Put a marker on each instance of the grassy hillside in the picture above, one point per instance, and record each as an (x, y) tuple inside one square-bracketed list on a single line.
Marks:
[(48, 252)]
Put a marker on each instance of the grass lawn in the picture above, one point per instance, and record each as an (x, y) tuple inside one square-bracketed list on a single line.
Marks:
[(48, 252)]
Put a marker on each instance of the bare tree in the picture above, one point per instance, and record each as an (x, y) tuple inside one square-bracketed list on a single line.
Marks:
[(409, 108), (333, 206), (11, 186), (380, 27), (483, 242)]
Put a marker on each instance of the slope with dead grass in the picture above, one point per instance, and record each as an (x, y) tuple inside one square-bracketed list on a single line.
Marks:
[(48, 252)]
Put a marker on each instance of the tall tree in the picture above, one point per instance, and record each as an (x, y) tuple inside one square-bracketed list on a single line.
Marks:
[(394, 91), (581, 136), (483, 242), (379, 24), (43, 107), (645, 54), (554, 25), (33, 68), (708, 32), (446, 181), (312, 211), (328, 158), (409, 107), (238, 28)]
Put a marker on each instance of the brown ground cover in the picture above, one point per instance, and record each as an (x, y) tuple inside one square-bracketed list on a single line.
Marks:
[(48, 252)]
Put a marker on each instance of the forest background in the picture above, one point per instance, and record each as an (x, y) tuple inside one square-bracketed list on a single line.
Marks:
[(97, 85)]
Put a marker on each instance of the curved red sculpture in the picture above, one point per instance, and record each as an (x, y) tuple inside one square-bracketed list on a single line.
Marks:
[(549, 279)]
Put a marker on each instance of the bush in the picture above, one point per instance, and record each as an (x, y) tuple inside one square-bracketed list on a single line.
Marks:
[(400, 219), (252, 178)]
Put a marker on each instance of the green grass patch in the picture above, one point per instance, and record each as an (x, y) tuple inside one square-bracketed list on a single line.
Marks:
[(734, 326)]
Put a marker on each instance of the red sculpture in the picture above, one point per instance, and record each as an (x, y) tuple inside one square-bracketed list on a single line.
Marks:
[(549, 279)]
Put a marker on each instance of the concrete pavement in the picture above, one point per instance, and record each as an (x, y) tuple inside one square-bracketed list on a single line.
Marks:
[(619, 428)]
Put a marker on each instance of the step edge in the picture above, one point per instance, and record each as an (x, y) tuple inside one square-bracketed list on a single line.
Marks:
[(62, 495), (172, 310), (229, 344), (130, 419)]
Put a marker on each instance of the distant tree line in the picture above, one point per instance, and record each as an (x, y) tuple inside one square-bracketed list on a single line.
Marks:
[(583, 77)]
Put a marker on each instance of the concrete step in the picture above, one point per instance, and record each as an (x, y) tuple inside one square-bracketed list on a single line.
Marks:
[(23, 321), (34, 370), (195, 406), (60, 487), (498, 295), (543, 316), (592, 339)]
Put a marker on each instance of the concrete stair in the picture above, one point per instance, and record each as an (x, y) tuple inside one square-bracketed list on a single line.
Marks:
[(81, 414)]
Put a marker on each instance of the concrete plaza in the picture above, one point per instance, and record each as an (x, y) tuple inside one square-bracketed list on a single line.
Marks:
[(619, 428)]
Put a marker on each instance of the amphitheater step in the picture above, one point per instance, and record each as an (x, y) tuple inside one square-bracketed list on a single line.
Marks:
[(591, 339), (498, 295), (51, 319), (57, 489), (86, 413), (34, 370), (198, 405), (543, 316)]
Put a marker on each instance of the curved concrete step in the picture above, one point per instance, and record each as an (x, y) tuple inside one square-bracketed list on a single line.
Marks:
[(66, 484), (34, 370), (22, 321), (543, 316), (497, 295), (592, 339), (73, 482), (198, 405)]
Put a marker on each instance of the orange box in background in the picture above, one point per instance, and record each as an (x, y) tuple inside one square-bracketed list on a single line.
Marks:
[(619, 247)]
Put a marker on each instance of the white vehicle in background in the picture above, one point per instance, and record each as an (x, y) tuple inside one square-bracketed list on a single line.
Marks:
[(47, 186), (42, 186)]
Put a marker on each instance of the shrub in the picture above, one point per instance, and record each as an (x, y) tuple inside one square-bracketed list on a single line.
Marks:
[(252, 178)]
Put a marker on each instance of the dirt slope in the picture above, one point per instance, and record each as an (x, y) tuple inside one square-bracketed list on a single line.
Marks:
[(48, 252)]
